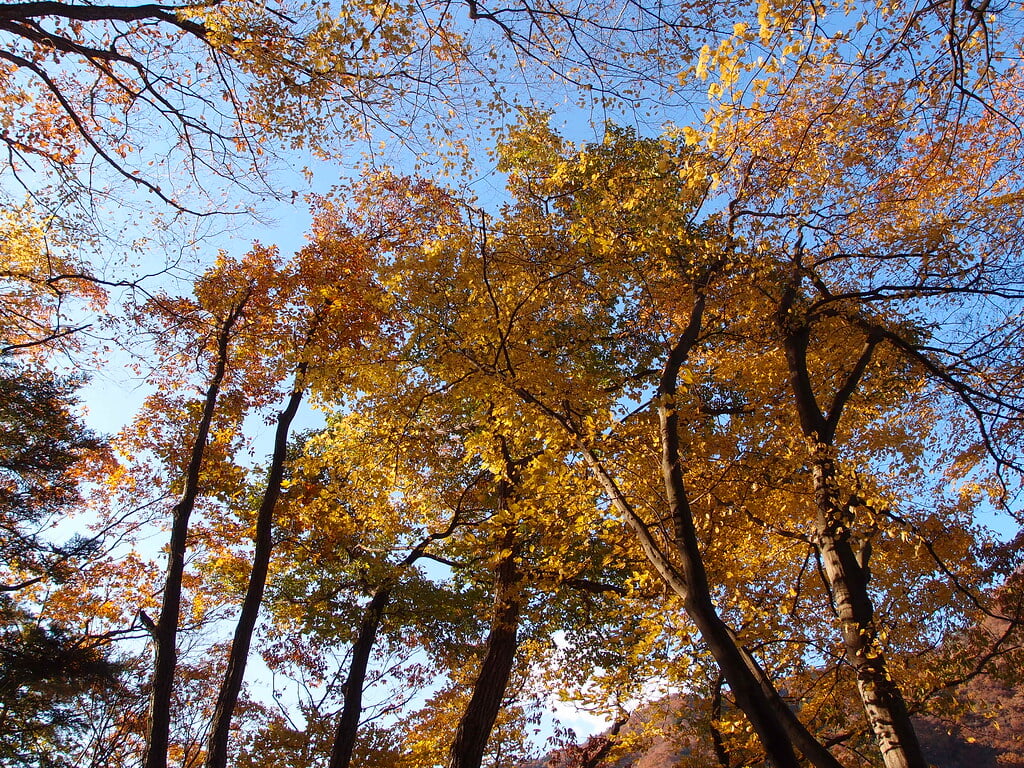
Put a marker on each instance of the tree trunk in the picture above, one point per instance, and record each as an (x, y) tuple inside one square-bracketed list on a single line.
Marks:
[(750, 687), (348, 723), (467, 750), (165, 631), (369, 627), (847, 578), (220, 727), (721, 751)]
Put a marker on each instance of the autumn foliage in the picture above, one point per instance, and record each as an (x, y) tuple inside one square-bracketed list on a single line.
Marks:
[(711, 430)]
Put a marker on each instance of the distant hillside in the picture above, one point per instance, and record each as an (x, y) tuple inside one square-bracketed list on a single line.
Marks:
[(991, 736)]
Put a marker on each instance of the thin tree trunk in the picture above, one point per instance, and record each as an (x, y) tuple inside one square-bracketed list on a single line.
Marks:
[(369, 628), (165, 630), (477, 722), (220, 728), (721, 752), (348, 723)]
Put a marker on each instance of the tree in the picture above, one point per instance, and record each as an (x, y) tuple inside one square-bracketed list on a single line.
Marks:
[(46, 676), (366, 505), (48, 667), (335, 311), (433, 442), (43, 450), (826, 205), (165, 628), (871, 311), (684, 571), (398, 468)]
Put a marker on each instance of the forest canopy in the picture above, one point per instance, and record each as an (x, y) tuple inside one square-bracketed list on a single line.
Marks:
[(658, 361)]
